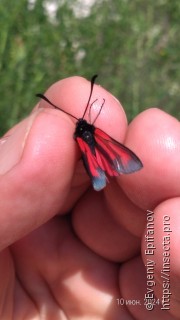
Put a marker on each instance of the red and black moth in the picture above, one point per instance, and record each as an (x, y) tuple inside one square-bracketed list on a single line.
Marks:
[(102, 156)]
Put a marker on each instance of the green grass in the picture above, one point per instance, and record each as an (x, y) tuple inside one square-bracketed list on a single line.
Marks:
[(132, 45)]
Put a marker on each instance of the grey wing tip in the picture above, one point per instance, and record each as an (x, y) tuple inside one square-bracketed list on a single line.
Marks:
[(99, 182)]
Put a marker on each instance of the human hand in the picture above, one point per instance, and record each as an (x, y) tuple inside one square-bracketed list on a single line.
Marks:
[(69, 252)]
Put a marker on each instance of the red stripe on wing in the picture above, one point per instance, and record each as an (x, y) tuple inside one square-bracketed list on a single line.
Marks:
[(116, 157), (92, 165)]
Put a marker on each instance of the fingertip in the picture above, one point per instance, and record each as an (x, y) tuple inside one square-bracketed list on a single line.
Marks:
[(154, 135), (71, 95), (35, 188)]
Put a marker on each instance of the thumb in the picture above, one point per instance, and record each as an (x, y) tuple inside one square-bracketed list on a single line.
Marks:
[(37, 159)]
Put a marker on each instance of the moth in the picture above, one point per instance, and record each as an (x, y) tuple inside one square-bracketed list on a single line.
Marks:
[(102, 156)]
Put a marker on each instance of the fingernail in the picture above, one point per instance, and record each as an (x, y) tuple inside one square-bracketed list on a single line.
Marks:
[(12, 145)]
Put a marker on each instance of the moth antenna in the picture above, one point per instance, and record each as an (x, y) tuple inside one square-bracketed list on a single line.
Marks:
[(40, 95), (89, 113), (92, 85)]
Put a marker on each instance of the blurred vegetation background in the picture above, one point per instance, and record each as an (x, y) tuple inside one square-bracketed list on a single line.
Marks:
[(134, 46)]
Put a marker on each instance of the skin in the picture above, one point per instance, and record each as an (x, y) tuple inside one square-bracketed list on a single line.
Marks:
[(68, 252)]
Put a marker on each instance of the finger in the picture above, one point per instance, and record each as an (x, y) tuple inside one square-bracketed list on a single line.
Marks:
[(156, 136), (95, 226), (112, 118), (71, 278), (38, 158), (31, 162)]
